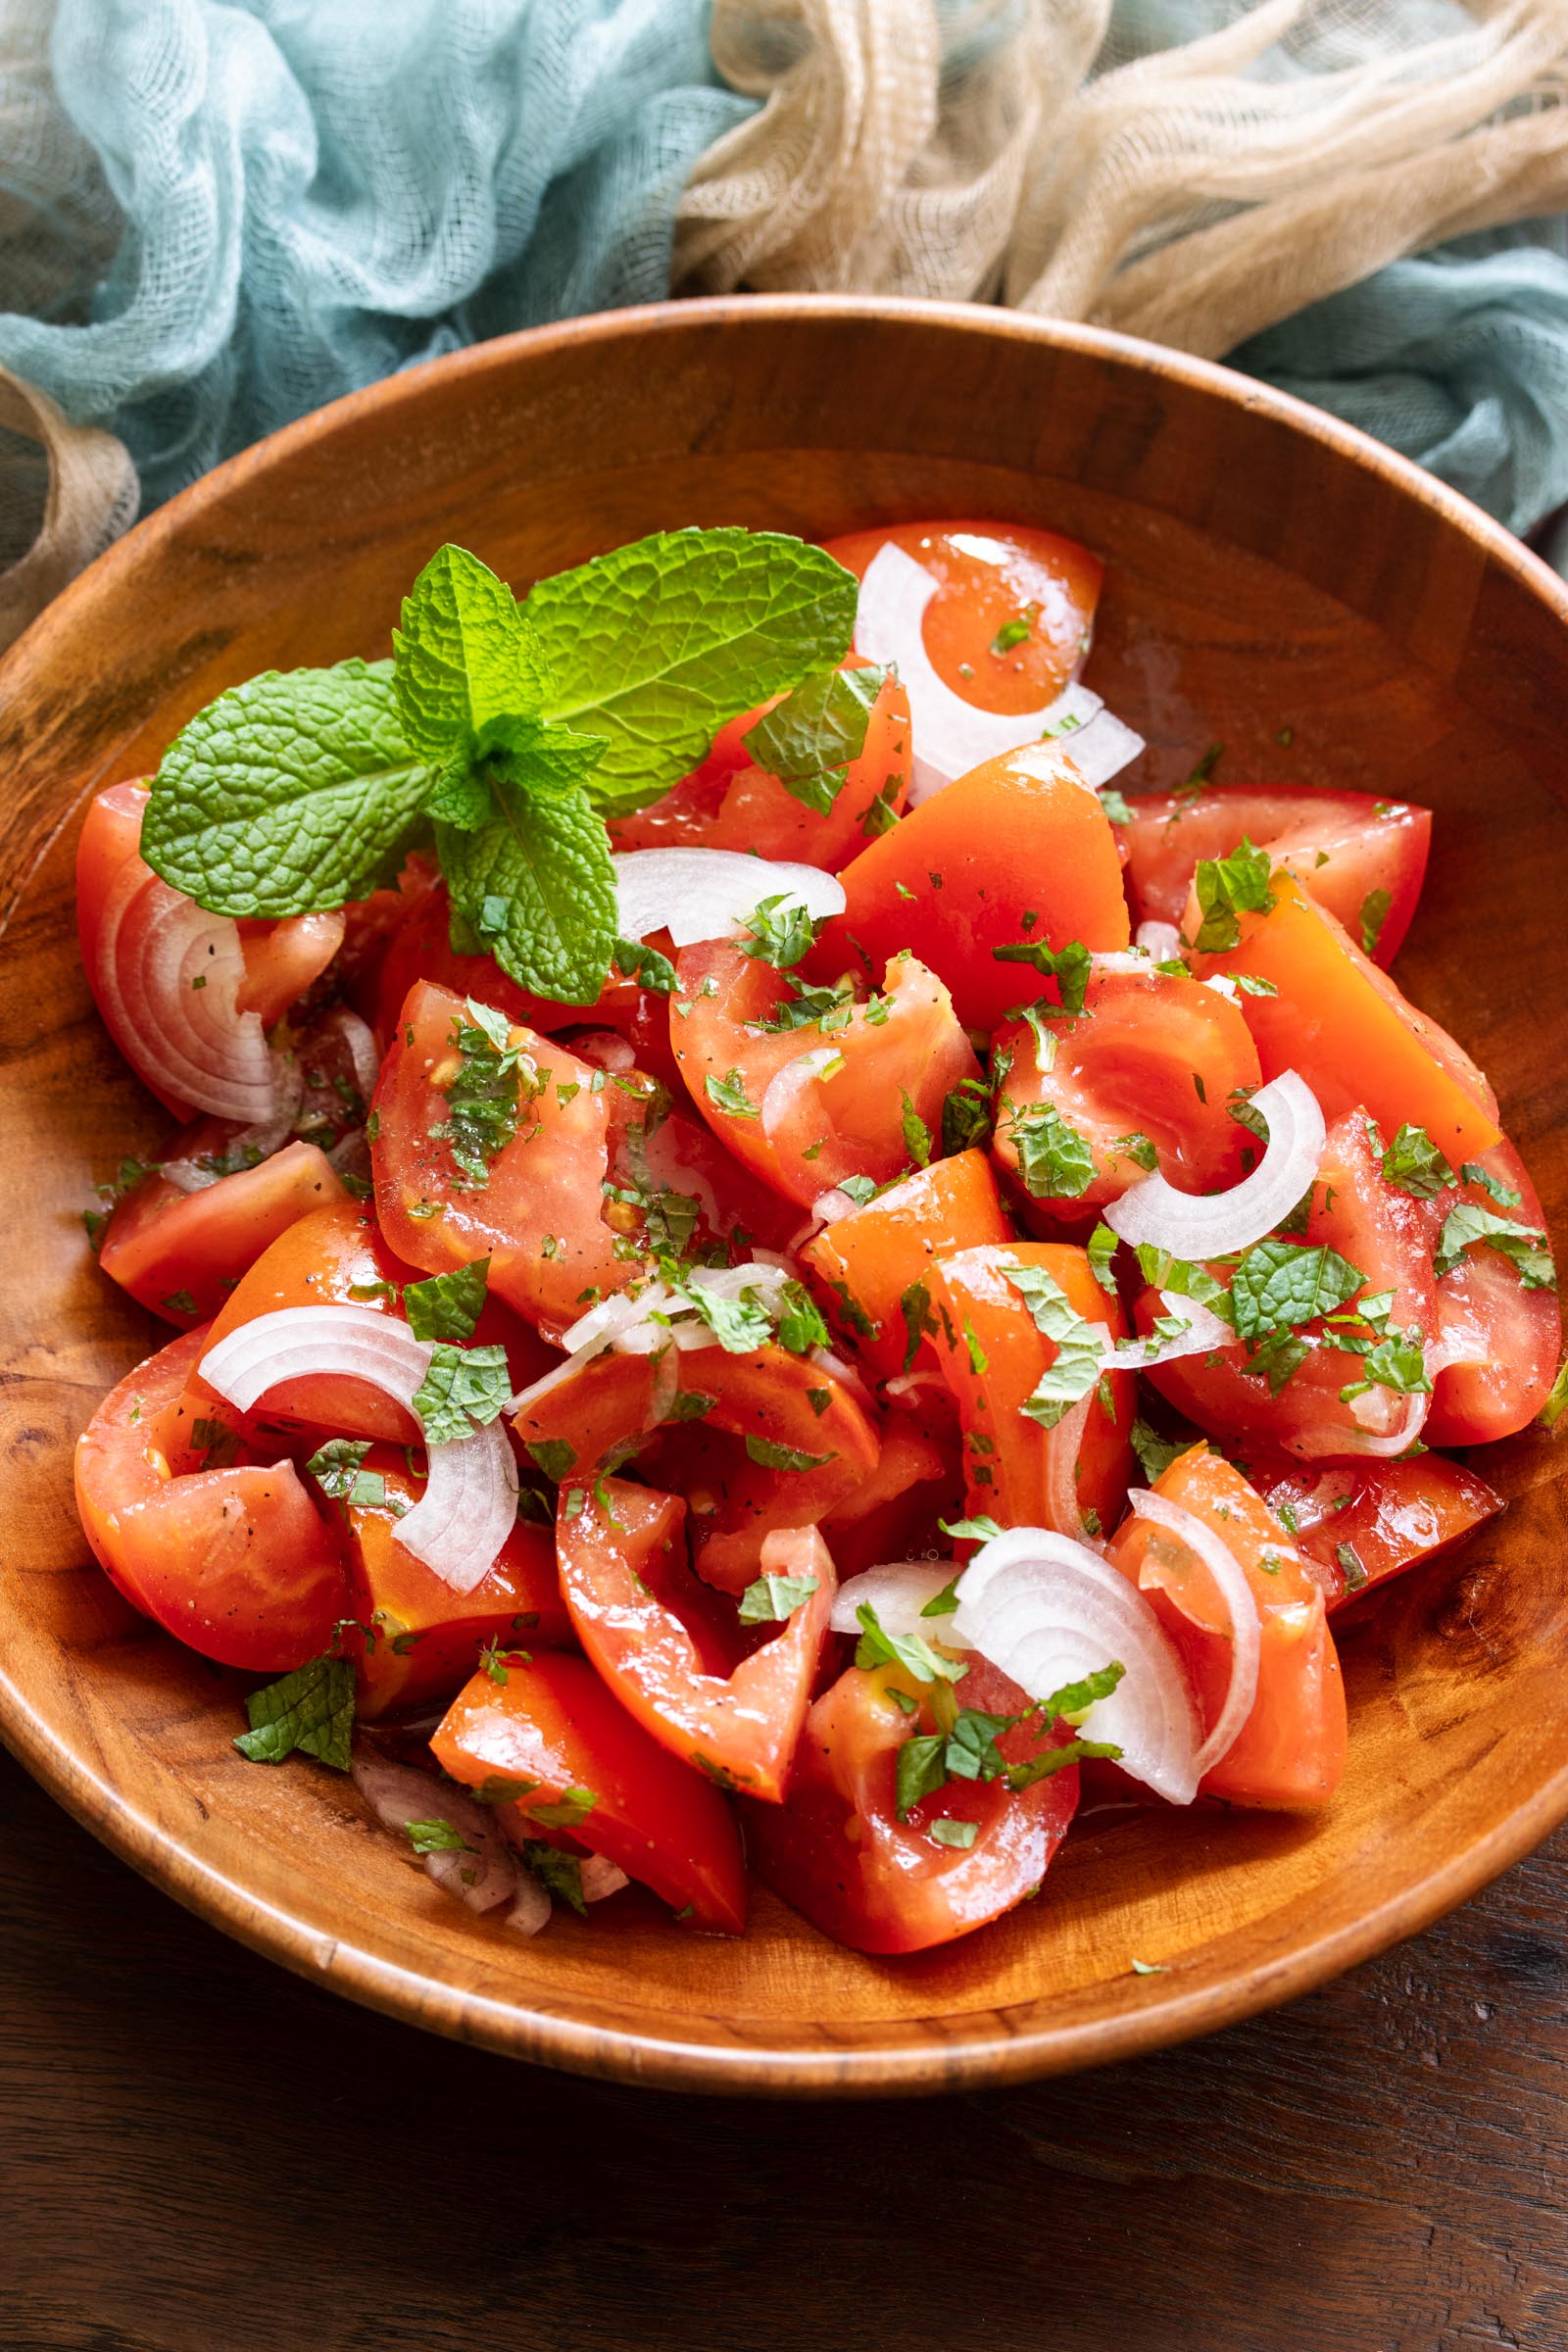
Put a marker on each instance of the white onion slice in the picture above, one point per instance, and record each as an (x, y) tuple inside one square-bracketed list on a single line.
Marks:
[(1247, 1640), (828, 1207), (355, 1340), (191, 1042), (950, 736), (1198, 1226), (397, 1794), (1063, 1447), (897, 1592), (1395, 1438), (839, 1368), (1223, 986), (600, 1878), (906, 1385), (697, 894), (1161, 940), (1205, 1330), (469, 1508), (666, 1388), (1118, 959), (786, 1086), (1047, 1610)]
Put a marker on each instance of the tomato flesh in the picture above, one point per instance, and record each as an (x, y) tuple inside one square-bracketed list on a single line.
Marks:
[(1360, 1523), (180, 1253), (1510, 1337), (867, 1260)]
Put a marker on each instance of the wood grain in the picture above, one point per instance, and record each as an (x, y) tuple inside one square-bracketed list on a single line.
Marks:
[(1266, 570)]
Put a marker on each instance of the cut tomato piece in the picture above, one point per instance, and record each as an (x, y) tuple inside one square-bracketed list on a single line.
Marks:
[(838, 1851), (803, 1108), (1146, 1076), (1360, 1523), (234, 1559), (538, 1213), (893, 1514), (1018, 851), (566, 1746), (283, 960), (625, 1576), (1290, 1750), (870, 1262), (1363, 858), (732, 803), (419, 1641), (181, 1254), (1347, 1029), (994, 579), (1073, 1474), (1506, 1337)]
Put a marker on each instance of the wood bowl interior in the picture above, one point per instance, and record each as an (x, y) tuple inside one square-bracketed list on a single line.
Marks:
[(1275, 584)]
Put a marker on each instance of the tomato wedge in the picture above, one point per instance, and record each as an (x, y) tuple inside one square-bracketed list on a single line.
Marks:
[(234, 1559), (1345, 1026), (869, 1261), (417, 1640), (553, 1728), (894, 1513), (1071, 1476), (838, 1851), (803, 1108), (1146, 1076), (625, 1580), (1017, 852), (1507, 1337), (1360, 1523), (1343, 848), (180, 1253), (1290, 1750), (731, 802)]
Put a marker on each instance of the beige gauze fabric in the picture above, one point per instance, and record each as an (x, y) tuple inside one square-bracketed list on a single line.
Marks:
[(1195, 195)]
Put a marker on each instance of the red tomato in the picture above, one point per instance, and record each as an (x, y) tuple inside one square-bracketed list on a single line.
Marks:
[(675, 1153), (991, 574), (838, 1851), (1341, 847), (371, 925), (867, 1261), (284, 958), (1345, 1026), (625, 1580), (181, 1254), (423, 1638), (554, 1726), (803, 1125), (1360, 1523), (234, 1561), (1018, 851), (893, 1514), (539, 1215), (1071, 1476), (1153, 1063), (1291, 1749), (731, 803), (1388, 1237), (1510, 1337)]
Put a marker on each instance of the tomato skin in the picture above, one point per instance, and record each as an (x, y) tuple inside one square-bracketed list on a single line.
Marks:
[(235, 1562), (162, 1243), (1152, 1054), (838, 1853), (1290, 1750), (625, 1577), (1391, 1515), (518, 1603), (730, 802), (1345, 1026), (866, 1260), (283, 959), (544, 1186), (1017, 836), (851, 1123), (553, 1723), (987, 573), (1514, 1334), (1365, 844), (893, 1514), (1015, 1471)]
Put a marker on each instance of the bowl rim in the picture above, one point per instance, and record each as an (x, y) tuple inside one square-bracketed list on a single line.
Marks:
[(941, 2059)]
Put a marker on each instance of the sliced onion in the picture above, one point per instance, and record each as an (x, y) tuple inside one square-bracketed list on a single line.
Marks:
[(906, 1385), (469, 1508), (1047, 1610), (666, 1387), (1063, 1447), (839, 1368), (950, 736), (1246, 1639), (1382, 1443), (897, 1592), (1161, 940), (786, 1086), (1223, 986), (1205, 1330), (829, 1206), (192, 1044), (397, 1794), (697, 894), (1118, 959), (355, 1340), (600, 1878), (730, 1282), (1198, 1226), (604, 1323), (357, 1037), (531, 1908)]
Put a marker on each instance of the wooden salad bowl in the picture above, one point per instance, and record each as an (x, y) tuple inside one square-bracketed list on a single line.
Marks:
[(1274, 583)]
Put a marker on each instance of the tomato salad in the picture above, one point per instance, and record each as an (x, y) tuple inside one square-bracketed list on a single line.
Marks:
[(768, 1273)]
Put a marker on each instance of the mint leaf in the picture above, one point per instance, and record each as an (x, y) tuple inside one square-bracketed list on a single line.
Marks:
[(559, 1875), (554, 1456), (770, 1457), (311, 1709), (653, 645), (1524, 1246), (437, 1838), (1080, 1347), (644, 965), (1102, 1247), (1281, 1284), (801, 1327), (336, 1469), (484, 1097), (772, 1597), (465, 655), (462, 795), (1506, 1195), (538, 887), (1069, 966), (978, 1529), (728, 1094), (966, 1117), (572, 1807), (961, 1834), (916, 1134), (1055, 1161), (779, 932), (1225, 887), (878, 1647), (1413, 1164), (915, 1305), (464, 1385), (448, 1306), (1374, 914), (1155, 1453), (808, 739), (1178, 1274), (292, 793)]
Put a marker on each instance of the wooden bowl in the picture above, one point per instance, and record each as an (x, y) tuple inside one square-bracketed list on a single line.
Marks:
[(1274, 582)]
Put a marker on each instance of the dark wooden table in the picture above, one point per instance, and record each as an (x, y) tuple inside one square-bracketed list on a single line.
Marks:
[(199, 2154)]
